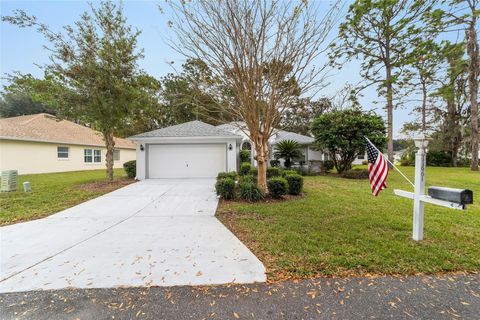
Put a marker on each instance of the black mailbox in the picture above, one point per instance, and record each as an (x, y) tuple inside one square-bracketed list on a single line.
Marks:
[(461, 196)]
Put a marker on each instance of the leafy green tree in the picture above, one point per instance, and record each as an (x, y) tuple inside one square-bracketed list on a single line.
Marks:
[(288, 150), (13, 105), (298, 117), (380, 33), (342, 134), (453, 115), (425, 62), (94, 70), (453, 16), (193, 94)]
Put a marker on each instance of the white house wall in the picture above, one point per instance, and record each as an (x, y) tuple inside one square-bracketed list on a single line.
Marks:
[(232, 155)]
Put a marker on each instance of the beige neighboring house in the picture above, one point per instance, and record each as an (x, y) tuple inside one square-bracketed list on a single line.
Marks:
[(41, 143)]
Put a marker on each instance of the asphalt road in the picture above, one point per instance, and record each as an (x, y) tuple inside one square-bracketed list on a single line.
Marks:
[(415, 297)]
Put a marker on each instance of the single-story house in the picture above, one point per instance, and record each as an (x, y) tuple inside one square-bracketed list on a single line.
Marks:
[(41, 143), (278, 135), (199, 150)]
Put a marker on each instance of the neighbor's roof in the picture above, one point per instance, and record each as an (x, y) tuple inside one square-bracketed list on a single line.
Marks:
[(43, 127), (188, 129), (278, 135)]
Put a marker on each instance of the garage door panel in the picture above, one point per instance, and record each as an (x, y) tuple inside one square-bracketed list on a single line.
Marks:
[(186, 160)]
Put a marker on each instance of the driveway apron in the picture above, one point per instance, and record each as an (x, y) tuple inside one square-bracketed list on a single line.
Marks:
[(159, 232)]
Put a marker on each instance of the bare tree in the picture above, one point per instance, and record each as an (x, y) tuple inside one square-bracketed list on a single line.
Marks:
[(263, 50)]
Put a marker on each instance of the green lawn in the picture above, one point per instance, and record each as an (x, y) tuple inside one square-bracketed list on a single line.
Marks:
[(53, 192), (339, 228)]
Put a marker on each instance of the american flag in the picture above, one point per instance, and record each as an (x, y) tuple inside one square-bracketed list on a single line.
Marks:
[(377, 169)]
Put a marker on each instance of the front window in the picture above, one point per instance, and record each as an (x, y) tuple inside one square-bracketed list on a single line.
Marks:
[(361, 157), (62, 152), (97, 156), (92, 156), (246, 146), (116, 155)]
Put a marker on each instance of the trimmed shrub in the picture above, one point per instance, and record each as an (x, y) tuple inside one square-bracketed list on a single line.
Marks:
[(245, 156), (247, 179), (274, 172), (244, 169), (439, 159), (365, 162), (301, 171), (288, 172), (223, 175), (328, 165), (130, 168), (225, 188), (275, 163), (253, 171), (250, 191), (278, 187), (295, 183), (356, 174)]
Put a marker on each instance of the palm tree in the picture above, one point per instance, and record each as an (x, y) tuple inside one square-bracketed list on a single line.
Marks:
[(288, 150)]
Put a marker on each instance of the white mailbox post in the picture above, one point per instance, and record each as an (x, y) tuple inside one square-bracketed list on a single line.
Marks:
[(419, 197)]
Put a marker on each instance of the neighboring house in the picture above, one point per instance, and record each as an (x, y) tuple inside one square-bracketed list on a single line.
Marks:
[(42, 143), (199, 150), (397, 156)]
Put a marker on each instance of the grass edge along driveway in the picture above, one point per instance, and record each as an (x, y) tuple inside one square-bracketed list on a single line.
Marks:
[(54, 192), (340, 229)]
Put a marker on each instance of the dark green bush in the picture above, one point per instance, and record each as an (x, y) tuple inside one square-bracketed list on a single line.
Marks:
[(295, 183), (274, 172), (288, 172), (223, 175), (407, 159), (250, 191), (328, 165), (278, 187), (244, 169), (439, 159), (253, 171), (303, 171), (245, 156), (248, 178), (130, 168), (275, 163), (225, 188), (356, 174)]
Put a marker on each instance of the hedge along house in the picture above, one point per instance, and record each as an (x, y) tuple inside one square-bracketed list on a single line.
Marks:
[(189, 150), (41, 143), (306, 142)]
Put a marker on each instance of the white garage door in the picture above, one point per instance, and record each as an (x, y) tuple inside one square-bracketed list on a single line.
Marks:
[(186, 160)]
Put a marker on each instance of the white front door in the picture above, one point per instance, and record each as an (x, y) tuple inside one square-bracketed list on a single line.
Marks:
[(186, 160)]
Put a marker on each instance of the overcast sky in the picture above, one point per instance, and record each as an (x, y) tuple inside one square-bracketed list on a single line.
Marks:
[(21, 49)]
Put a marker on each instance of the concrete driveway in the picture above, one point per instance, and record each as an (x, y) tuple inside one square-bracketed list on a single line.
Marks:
[(151, 233)]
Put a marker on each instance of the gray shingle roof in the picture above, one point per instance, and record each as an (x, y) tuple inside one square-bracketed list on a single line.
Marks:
[(188, 129), (282, 135), (278, 135)]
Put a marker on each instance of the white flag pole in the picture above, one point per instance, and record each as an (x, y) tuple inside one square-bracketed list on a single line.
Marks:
[(391, 163)]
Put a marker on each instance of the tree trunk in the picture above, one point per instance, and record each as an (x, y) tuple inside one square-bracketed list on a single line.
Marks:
[(424, 107), (473, 77), (389, 112), (261, 148), (110, 144)]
